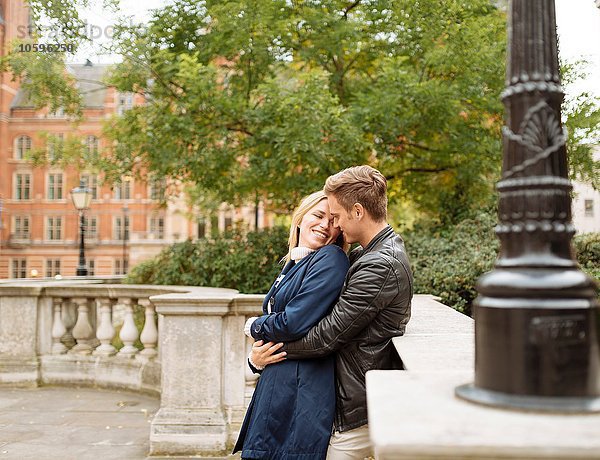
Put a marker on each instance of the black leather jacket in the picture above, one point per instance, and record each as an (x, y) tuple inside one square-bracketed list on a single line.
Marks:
[(374, 307)]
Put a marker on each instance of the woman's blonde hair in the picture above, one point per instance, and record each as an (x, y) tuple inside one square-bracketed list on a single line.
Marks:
[(307, 203)]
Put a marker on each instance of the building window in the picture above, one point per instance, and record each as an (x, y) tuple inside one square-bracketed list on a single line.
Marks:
[(121, 228), (157, 190), (121, 267), (157, 227), (91, 181), (21, 227), (201, 227), (54, 228), (55, 186), (22, 147), (91, 267), (19, 268), (214, 226), (52, 268), (124, 102), (122, 190), (55, 145), (588, 206), (58, 113), (23, 187), (92, 144), (90, 225), (228, 223)]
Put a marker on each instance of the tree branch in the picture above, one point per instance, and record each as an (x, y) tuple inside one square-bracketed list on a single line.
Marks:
[(350, 8), (420, 146), (238, 129), (418, 170)]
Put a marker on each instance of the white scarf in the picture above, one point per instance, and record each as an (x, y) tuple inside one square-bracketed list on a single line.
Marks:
[(299, 252)]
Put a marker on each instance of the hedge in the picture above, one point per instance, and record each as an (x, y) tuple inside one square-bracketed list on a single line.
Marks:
[(248, 262), (446, 261)]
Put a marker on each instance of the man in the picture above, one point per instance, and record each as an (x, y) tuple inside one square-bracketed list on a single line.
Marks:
[(374, 306)]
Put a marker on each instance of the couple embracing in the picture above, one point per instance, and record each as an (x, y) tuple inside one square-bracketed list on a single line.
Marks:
[(328, 319)]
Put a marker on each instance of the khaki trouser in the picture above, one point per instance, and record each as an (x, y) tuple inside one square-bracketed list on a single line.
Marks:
[(350, 445)]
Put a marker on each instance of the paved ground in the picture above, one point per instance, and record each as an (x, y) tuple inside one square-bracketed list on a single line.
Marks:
[(62, 423)]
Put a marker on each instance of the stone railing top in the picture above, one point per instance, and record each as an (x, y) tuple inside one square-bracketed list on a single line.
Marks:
[(168, 299), (437, 338), (202, 300), (35, 287)]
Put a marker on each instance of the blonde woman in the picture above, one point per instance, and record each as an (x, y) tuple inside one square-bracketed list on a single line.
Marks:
[(292, 410)]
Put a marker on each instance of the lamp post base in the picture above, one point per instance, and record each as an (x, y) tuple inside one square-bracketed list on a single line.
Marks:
[(564, 405)]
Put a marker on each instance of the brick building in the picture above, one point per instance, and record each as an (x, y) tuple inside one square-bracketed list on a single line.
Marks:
[(39, 229)]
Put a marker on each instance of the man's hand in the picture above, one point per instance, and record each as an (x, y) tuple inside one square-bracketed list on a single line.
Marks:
[(264, 354)]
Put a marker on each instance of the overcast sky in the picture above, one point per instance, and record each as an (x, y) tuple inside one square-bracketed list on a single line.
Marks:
[(578, 24)]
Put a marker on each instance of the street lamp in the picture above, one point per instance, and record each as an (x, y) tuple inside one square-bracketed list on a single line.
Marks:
[(81, 197), (125, 228), (537, 316)]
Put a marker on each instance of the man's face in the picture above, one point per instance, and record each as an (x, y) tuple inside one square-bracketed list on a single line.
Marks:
[(344, 220)]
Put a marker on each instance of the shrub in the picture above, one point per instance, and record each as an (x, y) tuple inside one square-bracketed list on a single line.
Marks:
[(248, 262), (587, 248), (447, 261)]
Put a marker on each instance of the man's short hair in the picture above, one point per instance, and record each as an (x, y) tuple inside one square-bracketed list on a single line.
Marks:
[(360, 184)]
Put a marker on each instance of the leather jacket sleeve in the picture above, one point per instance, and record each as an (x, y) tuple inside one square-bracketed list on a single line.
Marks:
[(368, 290)]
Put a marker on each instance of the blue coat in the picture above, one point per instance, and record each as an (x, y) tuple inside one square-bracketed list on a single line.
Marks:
[(291, 413)]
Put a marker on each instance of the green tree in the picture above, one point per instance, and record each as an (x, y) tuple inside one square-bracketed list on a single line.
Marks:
[(275, 96), (266, 98)]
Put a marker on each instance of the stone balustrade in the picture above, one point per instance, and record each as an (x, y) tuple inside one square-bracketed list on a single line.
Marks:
[(189, 349), (62, 332)]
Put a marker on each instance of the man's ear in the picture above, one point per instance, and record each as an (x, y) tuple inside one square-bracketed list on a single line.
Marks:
[(358, 211)]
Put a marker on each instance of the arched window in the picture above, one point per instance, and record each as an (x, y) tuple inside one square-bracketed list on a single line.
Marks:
[(22, 147)]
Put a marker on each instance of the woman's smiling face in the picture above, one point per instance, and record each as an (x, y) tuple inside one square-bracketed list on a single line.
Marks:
[(316, 227)]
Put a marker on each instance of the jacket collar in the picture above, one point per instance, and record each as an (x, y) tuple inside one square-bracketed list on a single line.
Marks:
[(381, 236), (288, 270)]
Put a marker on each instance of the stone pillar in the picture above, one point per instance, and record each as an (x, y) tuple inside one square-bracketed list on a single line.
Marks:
[(191, 419), (19, 364), (240, 381)]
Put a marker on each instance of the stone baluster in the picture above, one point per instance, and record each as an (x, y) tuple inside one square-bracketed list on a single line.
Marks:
[(83, 333), (68, 316), (149, 336), (58, 328), (106, 330), (129, 333)]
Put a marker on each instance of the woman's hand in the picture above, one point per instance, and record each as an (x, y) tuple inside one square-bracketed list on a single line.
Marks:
[(263, 354)]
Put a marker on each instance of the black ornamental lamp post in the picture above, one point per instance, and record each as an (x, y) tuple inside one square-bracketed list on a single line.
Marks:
[(537, 316), (125, 235), (81, 197)]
